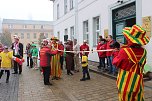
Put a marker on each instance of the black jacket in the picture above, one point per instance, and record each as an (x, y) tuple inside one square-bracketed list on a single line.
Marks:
[(20, 49)]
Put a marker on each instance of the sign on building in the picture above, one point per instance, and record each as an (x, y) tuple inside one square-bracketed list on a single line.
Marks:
[(105, 33), (147, 25)]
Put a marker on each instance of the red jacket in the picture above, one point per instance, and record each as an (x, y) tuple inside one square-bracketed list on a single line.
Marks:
[(122, 60), (102, 47), (108, 53), (98, 46), (61, 47), (45, 56), (115, 53), (84, 47)]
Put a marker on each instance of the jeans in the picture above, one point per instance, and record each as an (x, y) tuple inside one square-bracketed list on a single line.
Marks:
[(102, 62), (110, 64), (85, 71)]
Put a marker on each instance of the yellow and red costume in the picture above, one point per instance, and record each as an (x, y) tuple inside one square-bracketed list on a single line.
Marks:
[(55, 61), (131, 61)]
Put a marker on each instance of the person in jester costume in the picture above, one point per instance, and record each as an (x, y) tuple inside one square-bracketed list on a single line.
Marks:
[(130, 61)]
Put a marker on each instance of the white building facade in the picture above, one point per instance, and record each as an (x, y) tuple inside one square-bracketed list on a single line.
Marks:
[(87, 19)]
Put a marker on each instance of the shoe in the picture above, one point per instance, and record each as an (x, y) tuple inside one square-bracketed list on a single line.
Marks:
[(48, 84), (71, 73), (7, 81), (87, 78), (27, 65), (14, 73), (83, 79), (20, 72)]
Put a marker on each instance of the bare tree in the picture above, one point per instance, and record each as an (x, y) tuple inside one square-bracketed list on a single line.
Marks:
[(5, 38), (41, 37)]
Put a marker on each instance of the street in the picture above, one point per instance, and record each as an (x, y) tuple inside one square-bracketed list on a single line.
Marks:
[(29, 87)]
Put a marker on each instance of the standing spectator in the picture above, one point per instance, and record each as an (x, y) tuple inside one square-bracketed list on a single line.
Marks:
[(69, 57), (28, 46), (1, 49), (131, 61), (17, 52), (34, 55), (98, 46), (61, 47), (108, 53), (84, 47), (102, 55), (115, 52), (84, 63), (76, 50), (30, 55), (45, 59)]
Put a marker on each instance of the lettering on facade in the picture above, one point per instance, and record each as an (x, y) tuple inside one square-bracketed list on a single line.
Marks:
[(147, 25)]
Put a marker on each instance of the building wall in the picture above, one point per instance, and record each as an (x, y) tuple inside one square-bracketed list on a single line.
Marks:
[(0, 25), (147, 11), (87, 10), (28, 31)]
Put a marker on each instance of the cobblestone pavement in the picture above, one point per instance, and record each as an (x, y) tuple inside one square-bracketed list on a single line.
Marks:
[(69, 88), (9, 91)]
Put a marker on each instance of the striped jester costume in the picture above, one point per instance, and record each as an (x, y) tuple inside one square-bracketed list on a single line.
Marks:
[(131, 61), (129, 83)]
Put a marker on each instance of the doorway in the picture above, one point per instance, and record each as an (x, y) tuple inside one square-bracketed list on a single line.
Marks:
[(130, 22)]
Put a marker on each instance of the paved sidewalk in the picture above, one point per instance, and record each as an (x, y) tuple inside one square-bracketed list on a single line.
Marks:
[(69, 88), (9, 91)]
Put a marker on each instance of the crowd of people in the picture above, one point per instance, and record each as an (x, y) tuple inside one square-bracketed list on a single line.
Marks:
[(129, 59)]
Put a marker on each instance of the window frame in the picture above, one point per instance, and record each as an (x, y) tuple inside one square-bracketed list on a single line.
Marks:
[(96, 30), (34, 35), (86, 30), (71, 4)]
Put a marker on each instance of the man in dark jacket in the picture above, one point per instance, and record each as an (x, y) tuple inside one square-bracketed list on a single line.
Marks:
[(45, 60), (17, 48)]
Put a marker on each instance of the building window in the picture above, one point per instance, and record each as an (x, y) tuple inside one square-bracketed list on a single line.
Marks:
[(22, 35), (28, 35), (72, 33), (46, 35), (86, 31), (42, 26), (24, 26), (65, 6), (58, 11), (10, 26), (33, 26), (34, 35), (16, 34), (71, 4), (58, 35), (66, 31), (96, 30)]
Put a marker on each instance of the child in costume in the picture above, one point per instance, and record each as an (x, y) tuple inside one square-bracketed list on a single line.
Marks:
[(34, 52), (84, 63), (6, 64)]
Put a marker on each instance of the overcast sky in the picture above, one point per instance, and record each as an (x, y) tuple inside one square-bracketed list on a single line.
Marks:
[(26, 9)]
